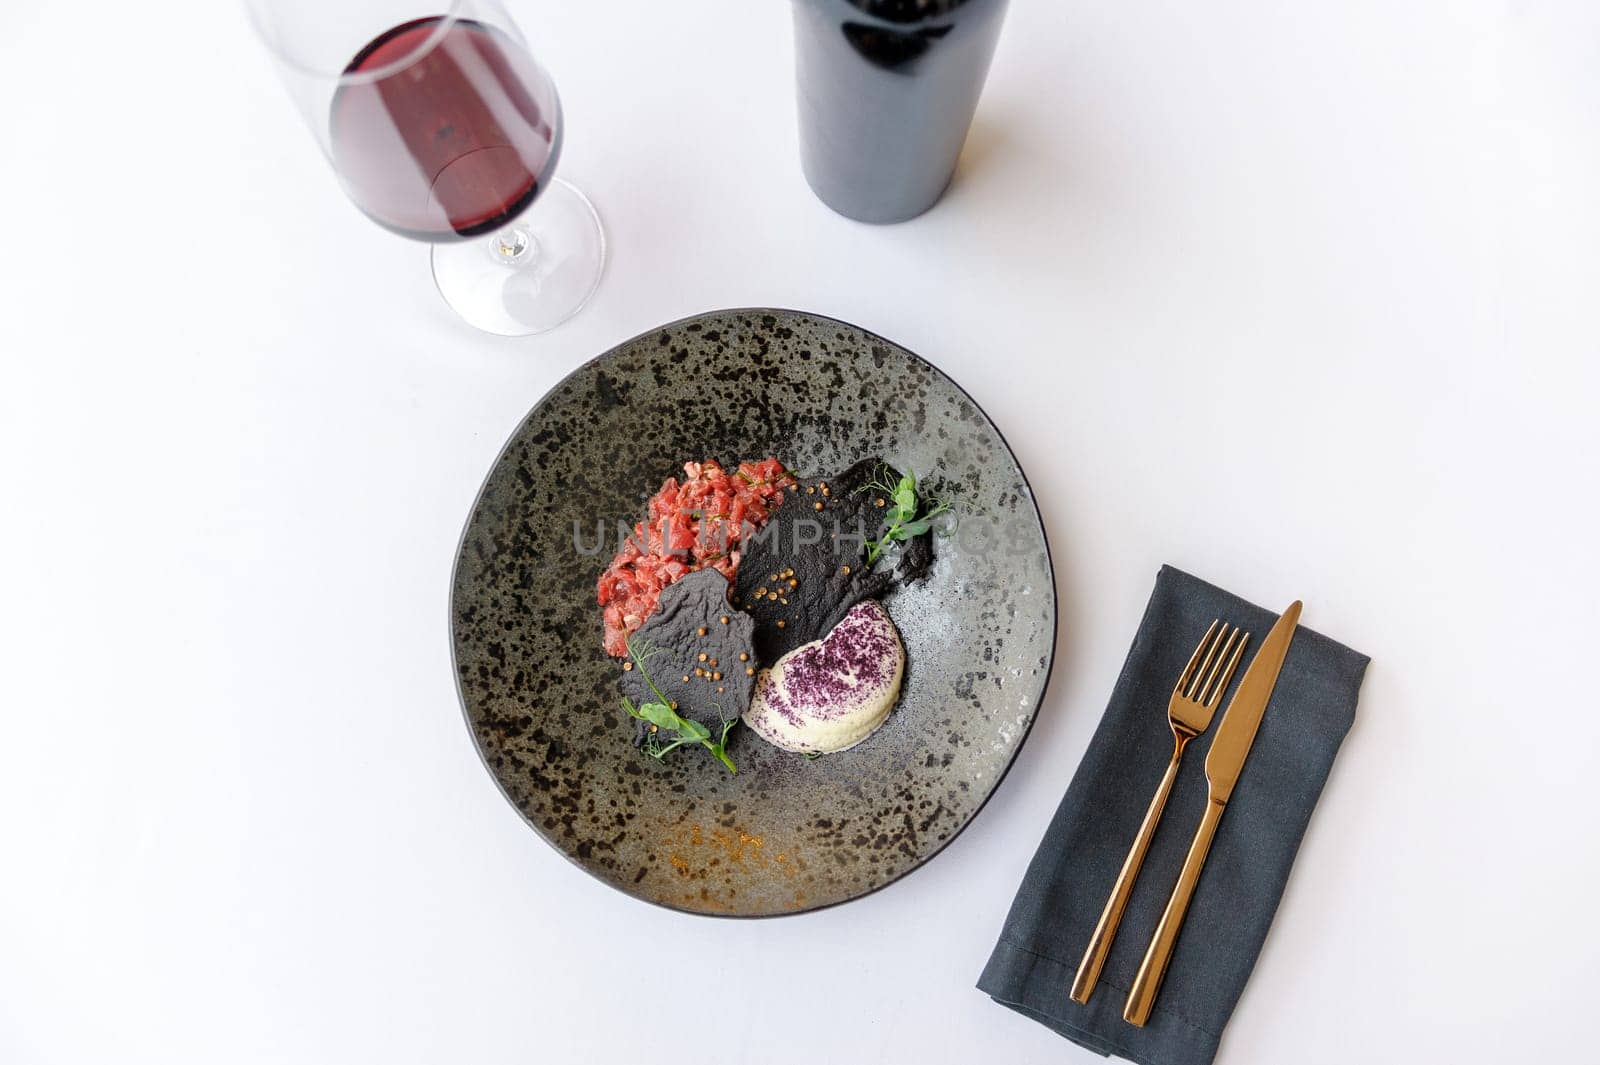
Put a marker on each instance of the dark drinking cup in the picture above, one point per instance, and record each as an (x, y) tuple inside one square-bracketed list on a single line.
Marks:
[(887, 90)]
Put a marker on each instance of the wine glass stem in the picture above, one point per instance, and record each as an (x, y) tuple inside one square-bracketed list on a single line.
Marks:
[(514, 246)]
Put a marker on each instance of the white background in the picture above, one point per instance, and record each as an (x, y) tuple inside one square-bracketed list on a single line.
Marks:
[(1301, 298)]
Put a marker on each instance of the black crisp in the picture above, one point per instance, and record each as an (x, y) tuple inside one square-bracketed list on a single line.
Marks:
[(695, 633)]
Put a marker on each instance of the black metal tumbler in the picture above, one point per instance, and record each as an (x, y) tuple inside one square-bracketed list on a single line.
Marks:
[(887, 90)]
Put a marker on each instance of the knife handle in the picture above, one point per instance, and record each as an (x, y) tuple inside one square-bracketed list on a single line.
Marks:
[(1142, 995), (1094, 955)]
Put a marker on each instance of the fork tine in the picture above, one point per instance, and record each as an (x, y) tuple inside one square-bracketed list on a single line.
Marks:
[(1198, 682), (1215, 694), (1224, 644), (1194, 659)]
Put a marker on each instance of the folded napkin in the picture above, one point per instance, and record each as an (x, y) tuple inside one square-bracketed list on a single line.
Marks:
[(1070, 877)]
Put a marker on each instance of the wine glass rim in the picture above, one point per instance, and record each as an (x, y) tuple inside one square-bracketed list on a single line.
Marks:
[(343, 75)]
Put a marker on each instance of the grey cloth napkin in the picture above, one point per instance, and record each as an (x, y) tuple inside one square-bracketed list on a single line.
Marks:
[(1067, 883)]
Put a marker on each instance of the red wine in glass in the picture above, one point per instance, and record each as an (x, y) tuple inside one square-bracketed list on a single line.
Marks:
[(445, 140), (445, 129)]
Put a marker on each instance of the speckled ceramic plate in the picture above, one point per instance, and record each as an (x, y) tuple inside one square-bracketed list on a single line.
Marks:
[(786, 834)]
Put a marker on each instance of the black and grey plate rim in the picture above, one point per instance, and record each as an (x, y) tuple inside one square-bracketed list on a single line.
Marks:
[(477, 501)]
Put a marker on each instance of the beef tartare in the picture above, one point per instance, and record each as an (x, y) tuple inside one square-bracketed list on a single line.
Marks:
[(694, 523)]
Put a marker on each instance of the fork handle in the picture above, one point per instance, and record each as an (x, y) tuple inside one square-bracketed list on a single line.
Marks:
[(1142, 995), (1094, 956)]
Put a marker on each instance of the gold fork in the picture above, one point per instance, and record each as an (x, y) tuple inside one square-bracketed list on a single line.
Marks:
[(1189, 711)]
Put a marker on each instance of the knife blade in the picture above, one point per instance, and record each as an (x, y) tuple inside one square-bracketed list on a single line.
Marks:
[(1238, 729)]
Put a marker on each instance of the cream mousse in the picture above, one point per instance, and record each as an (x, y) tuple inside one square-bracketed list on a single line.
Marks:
[(829, 695)]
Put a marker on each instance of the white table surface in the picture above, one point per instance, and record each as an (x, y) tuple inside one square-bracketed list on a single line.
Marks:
[(1301, 298)]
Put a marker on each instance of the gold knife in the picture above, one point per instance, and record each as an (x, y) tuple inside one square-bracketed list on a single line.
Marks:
[(1223, 762)]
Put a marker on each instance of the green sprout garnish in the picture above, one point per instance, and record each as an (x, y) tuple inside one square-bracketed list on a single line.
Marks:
[(901, 522), (665, 719)]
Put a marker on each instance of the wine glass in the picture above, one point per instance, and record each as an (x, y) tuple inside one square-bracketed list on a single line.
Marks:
[(443, 128)]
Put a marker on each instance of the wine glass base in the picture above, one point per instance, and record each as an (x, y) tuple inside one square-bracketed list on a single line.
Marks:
[(531, 276)]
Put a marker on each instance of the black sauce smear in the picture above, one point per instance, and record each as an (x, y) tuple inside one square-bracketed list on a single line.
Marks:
[(694, 602), (819, 546)]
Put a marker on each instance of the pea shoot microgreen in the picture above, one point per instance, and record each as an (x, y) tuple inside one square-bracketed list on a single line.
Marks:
[(900, 520), (665, 719)]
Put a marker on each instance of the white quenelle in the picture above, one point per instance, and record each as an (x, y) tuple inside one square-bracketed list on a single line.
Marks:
[(829, 695)]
